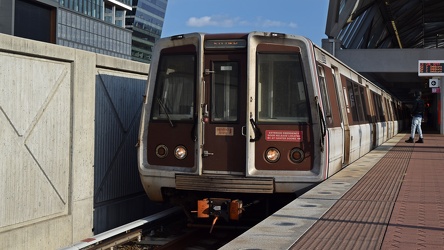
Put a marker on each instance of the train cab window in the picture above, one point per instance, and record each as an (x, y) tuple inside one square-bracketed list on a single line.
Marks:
[(281, 91), (225, 87), (174, 94)]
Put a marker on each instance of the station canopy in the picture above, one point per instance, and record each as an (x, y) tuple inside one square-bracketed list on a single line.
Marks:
[(366, 24), (388, 24)]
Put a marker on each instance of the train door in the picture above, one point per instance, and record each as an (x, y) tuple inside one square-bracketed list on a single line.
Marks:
[(372, 116), (225, 87), (333, 121), (342, 111)]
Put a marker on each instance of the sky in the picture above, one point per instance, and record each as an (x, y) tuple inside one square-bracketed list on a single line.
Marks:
[(298, 17)]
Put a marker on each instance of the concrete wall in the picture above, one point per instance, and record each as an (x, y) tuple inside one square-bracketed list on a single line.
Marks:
[(119, 197), (47, 141)]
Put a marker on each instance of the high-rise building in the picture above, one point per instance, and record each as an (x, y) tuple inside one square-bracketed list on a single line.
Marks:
[(120, 28), (146, 21)]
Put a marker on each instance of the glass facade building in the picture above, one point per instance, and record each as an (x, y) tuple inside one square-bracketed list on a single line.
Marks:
[(83, 32), (122, 28), (144, 18), (92, 8), (95, 25), (111, 11), (146, 21)]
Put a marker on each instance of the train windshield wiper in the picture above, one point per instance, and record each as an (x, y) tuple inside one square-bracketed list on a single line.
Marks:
[(166, 112)]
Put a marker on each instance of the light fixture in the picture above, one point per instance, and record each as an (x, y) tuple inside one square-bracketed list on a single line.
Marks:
[(161, 151), (180, 152), (297, 155), (272, 155)]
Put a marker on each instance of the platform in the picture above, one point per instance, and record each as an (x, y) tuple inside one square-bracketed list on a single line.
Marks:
[(392, 198)]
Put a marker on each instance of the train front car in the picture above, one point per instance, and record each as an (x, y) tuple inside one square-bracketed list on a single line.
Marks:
[(230, 115)]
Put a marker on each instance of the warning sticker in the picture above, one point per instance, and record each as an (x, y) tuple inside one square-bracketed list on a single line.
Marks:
[(224, 131), (283, 135)]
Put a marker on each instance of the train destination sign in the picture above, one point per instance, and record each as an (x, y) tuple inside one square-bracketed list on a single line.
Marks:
[(226, 44), (431, 68)]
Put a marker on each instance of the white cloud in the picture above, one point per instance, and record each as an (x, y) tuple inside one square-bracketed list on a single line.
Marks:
[(199, 22), (219, 21), (271, 23), (267, 23), (293, 25)]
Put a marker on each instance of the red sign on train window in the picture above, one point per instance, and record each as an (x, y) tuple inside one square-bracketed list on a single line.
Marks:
[(283, 135)]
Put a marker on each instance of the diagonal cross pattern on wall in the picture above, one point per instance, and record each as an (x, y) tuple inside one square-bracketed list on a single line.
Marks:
[(119, 98), (35, 120)]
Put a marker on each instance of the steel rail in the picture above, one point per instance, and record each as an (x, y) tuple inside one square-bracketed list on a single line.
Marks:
[(119, 230)]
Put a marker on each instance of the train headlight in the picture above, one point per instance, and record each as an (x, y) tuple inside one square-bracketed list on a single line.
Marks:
[(180, 152), (297, 155), (280, 35), (272, 155), (161, 151)]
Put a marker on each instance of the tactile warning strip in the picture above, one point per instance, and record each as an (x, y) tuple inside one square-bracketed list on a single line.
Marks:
[(359, 220)]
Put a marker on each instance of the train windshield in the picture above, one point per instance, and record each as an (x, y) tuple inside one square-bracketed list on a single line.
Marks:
[(174, 93), (281, 91)]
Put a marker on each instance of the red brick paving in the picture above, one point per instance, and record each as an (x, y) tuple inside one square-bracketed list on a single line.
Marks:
[(417, 221), (398, 204)]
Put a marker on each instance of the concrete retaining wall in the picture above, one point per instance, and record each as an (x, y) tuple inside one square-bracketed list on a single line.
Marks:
[(47, 140), (119, 197)]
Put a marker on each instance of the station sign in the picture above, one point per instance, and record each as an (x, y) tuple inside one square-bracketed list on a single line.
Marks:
[(434, 83), (431, 68)]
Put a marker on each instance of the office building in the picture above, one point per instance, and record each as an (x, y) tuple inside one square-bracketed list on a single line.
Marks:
[(121, 28), (146, 21)]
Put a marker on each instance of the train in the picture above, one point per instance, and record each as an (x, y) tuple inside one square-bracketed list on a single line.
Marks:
[(235, 115)]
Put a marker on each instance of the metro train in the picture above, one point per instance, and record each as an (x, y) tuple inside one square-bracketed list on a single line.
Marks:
[(255, 114)]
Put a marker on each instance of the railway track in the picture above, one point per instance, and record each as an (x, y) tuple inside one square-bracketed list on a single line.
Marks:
[(191, 238), (126, 233), (168, 229)]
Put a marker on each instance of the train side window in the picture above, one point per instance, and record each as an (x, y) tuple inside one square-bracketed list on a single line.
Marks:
[(383, 117), (375, 106), (174, 93), (364, 117), (389, 111), (356, 94), (395, 111), (358, 100), (352, 100), (379, 110), (324, 94), (281, 90)]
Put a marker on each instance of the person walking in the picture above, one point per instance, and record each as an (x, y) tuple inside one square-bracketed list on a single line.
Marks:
[(417, 113)]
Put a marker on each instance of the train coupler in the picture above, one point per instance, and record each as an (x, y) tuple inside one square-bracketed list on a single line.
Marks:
[(219, 207)]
